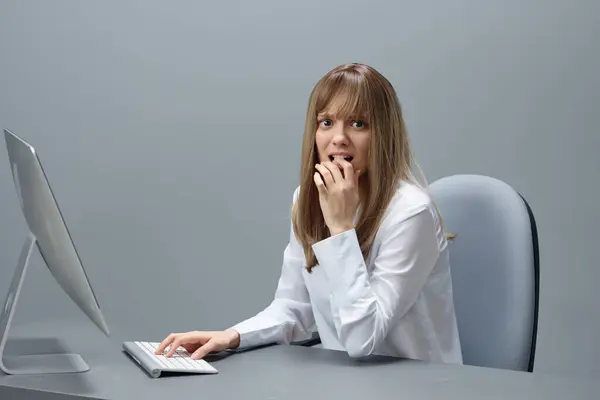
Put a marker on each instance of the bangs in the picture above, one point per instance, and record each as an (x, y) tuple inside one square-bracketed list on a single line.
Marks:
[(344, 95)]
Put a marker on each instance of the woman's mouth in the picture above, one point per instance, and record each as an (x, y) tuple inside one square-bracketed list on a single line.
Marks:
[(341, 157)]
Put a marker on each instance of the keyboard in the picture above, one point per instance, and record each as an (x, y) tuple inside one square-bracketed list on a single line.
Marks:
[(156, 365)]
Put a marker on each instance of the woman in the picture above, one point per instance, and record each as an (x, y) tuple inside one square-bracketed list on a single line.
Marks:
[(367, 260)]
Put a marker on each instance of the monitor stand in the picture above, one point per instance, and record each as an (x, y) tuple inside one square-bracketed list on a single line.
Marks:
[(38, 363)]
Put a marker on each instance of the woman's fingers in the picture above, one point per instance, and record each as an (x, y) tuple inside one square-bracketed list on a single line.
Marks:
[(326, 174), (190, 347), (348, 169), (188, 341), (204, 350), (320, 184), (334, 169), (178, 341), (198, 343), (163, 345)]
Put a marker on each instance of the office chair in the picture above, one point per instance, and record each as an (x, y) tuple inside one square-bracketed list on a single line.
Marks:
[(495, 269)]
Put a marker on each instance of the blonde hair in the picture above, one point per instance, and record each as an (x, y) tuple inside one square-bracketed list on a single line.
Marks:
[(358, 90)]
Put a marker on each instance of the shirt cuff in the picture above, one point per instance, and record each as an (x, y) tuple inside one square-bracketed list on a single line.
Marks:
[(342, 260), (247, 334)]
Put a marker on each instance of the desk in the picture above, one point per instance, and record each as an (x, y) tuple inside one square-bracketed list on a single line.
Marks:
[(276, 372)]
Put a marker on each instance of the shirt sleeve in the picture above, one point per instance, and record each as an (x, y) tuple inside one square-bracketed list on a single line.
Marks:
[(364, 305), (289, 317)]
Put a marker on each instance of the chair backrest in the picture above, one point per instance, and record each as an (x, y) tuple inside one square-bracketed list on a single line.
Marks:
[(495, 269)]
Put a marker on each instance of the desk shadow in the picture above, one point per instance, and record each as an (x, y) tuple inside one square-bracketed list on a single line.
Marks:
[(78, 383), (379, 360), (341, 358), (214, 357), (249, 349)]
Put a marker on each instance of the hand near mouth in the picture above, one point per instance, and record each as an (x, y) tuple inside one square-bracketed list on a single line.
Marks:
[(337, 183)]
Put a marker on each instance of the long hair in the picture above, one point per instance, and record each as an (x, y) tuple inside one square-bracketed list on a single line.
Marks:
[(356, 90)]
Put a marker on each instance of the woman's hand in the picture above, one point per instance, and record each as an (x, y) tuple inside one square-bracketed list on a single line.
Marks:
[(338, 194), (199, 343)]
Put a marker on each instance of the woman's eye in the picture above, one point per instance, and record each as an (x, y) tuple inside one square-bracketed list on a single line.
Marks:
[(326, 122), (358, 124)]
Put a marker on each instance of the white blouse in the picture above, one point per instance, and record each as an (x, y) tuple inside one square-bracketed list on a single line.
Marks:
[(398, 302)]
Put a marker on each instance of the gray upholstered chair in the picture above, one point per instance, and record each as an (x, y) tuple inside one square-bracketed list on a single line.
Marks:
[(495, 269)]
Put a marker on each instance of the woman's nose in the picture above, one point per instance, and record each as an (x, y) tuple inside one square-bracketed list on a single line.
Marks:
[(339, 136)]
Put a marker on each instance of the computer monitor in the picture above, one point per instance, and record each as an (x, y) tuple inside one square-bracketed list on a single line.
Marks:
[(48, 230)]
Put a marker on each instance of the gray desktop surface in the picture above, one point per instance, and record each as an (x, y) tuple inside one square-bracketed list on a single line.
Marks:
[(274, 372)]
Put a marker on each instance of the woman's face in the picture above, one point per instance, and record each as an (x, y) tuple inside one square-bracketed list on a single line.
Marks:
[(347, 138)]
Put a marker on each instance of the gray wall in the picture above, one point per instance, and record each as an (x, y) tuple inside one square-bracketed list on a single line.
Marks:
[(170, 132)]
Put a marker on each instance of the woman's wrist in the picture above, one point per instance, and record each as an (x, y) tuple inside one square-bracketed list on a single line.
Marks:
[(338, 229), (234, 341)]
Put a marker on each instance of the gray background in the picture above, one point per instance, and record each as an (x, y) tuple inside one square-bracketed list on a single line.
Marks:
[(171, 131)]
